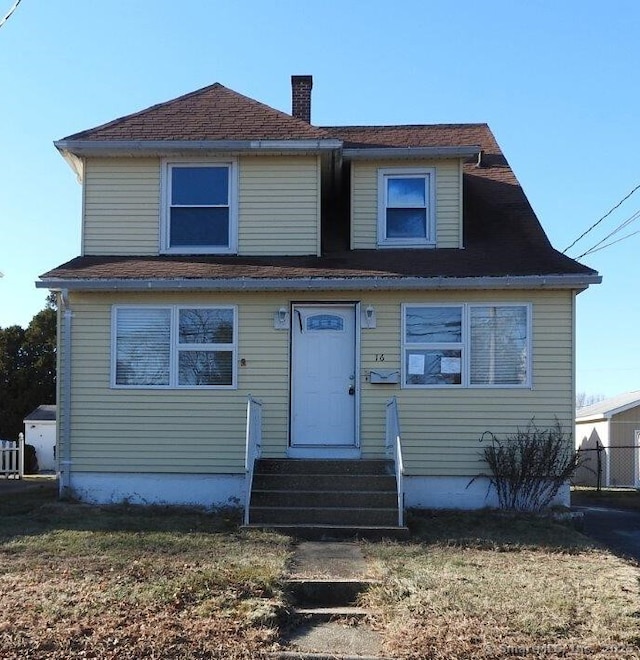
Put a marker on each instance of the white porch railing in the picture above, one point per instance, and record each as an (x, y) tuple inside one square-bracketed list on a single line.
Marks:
[(253, 448), (12, 458), (393, 445)]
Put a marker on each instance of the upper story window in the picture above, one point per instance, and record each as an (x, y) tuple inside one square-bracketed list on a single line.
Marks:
[(200, 207), (406, 208)]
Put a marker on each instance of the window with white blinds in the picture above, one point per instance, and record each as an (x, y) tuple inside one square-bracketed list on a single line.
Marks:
[(499, 345), (174, 346)]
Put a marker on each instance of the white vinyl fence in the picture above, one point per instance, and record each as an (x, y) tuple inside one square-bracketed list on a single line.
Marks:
[(12, 458)]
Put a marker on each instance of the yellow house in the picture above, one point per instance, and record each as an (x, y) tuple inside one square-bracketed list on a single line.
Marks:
[(317, 323)]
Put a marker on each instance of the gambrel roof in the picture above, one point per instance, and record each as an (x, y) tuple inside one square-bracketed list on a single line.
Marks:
[(503, 238)]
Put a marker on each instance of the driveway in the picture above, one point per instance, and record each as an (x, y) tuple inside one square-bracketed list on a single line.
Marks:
[(617, 529)]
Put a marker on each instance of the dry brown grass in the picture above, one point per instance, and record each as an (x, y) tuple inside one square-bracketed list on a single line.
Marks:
[(85, 582), (480, 587), (130, 582)]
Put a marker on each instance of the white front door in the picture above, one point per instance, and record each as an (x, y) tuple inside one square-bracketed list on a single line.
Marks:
[(323, 376)]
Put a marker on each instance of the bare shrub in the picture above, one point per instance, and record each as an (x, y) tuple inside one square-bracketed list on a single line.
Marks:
[(529, 467)]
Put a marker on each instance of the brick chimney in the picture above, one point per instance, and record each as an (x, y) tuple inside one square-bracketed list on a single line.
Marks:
[(301, 97)]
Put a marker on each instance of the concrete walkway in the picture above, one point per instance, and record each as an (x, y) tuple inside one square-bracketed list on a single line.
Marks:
[(325, 581), (329, 560)]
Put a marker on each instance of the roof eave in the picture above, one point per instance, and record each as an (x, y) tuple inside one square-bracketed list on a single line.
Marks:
[(174, 147), (609, 412), (573, 282), (377, 153), (597, 417)]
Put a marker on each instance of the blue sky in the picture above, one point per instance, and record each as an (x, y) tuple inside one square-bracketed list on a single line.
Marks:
[(556, 81)]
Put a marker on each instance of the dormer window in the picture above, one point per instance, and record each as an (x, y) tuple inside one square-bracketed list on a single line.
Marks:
[(406, 207), (200, 207)]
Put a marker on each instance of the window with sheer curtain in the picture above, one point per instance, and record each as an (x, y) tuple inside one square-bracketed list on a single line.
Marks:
[(174, 346), (406, 207)]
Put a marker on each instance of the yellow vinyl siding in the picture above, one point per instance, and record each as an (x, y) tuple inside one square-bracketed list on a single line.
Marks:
[(121, 206), (364, 201), (279, 212), (202, 431), (173, 430), (441, 427), (278, 206)]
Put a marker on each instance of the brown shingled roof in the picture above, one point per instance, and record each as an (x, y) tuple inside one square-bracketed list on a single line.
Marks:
[(492, 191), (210, 113), (492, 260), (414, 135), (502, 235)]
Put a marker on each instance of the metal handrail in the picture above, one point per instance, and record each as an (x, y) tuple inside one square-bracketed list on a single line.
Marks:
[(253, 448), (393, 442)]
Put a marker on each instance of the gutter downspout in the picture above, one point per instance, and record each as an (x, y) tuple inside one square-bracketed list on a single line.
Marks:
[(65, 454)]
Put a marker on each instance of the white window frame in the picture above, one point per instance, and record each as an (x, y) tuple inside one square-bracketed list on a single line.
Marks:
[(465, 347), (165, 206), (429, 174), (425, 346), (175, 348)]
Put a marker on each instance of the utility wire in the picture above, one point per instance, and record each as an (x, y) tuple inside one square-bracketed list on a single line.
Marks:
[(620, 227), (606, 215), (8, 15), (623, 238)]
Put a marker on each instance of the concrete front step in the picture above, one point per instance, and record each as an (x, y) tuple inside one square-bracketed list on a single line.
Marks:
[(324, 493), (324, 516), (323, 466), (309, 593), (324, 482), (336, 532), (314, 498), (332, 613)]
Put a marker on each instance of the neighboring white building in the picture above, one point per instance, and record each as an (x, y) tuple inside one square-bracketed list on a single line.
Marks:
[(614, 424), (40, 431)]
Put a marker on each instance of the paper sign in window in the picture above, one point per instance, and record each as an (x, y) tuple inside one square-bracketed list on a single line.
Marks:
[(416, 364), (449, 365)]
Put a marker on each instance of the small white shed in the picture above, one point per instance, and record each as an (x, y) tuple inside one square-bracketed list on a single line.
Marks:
[(40, 431)]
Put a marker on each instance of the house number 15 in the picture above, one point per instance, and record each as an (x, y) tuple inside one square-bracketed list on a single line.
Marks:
[(379, 357)]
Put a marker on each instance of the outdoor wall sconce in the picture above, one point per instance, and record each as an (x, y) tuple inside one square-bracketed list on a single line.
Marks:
[(368, 317), (281, 319)]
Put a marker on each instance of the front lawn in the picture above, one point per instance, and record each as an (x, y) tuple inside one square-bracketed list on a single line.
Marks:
[(480, 586), (129, 582)]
